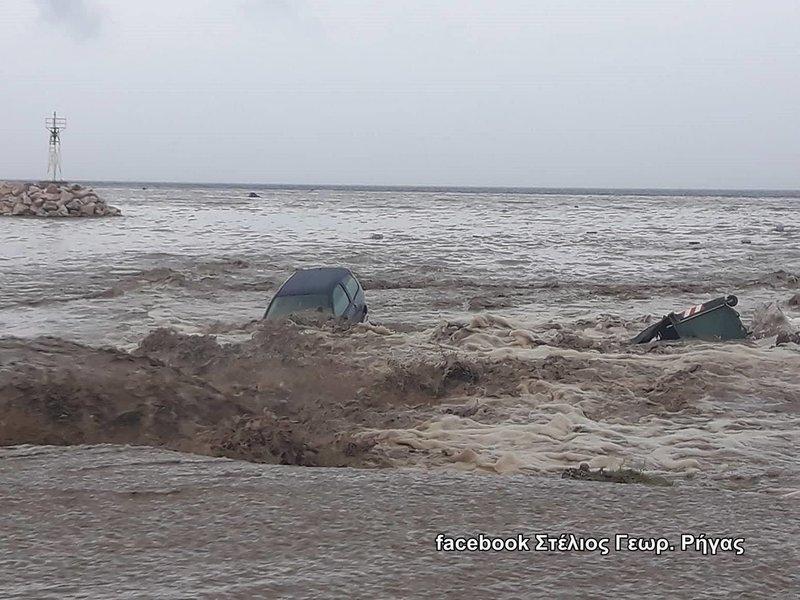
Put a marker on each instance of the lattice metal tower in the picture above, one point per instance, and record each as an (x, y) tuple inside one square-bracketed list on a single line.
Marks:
[(55, 125)]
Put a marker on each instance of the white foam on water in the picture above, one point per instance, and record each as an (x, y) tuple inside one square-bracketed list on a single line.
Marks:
[(700, 408)]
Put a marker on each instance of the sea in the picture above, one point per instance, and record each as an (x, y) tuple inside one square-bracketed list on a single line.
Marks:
[(159, 440)]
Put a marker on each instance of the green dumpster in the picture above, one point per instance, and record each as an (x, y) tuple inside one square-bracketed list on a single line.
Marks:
[(715, 320)]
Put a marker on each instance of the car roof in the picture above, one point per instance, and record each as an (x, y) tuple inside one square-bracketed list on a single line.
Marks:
[(313, 281)]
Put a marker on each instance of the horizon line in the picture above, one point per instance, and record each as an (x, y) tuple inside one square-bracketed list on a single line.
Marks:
[(413, 187)]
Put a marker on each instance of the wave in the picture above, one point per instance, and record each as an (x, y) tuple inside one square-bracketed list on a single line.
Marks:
[(484, 394)]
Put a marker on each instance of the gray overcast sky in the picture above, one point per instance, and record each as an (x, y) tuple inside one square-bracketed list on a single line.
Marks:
[(627, 93)]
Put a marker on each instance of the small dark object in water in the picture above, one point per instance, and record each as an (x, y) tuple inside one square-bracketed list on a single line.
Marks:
[(746, 241), (253, 195), (794, 300), (694, 243), (714, 320), (583, 472), (376, 236), (780, 227)]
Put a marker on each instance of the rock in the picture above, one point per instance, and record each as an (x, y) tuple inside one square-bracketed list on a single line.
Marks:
[(253, 195), (83, 193), (786, 338), (51, 199)]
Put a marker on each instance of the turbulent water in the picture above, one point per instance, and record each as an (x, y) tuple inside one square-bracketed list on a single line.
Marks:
[(496, 357)]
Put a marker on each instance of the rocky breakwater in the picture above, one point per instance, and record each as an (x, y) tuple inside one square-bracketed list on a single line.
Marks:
[(52, 200)]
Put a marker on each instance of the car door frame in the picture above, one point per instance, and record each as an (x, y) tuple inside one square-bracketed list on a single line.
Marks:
[(350, 310), (358, 300)]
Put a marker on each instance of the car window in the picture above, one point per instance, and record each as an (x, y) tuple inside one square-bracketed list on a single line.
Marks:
[(286, 305), (340, 300), (352, 287)]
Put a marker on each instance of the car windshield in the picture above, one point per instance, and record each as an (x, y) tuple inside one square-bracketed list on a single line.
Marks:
[(287, 305)]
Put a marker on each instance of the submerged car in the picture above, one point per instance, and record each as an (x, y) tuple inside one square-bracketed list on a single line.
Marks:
[(331, 291)]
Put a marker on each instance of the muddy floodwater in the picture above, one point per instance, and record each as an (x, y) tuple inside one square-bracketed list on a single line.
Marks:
[(161, 441)]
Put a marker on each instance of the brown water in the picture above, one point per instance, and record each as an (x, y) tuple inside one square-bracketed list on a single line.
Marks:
[(496, 357), (116, 522)]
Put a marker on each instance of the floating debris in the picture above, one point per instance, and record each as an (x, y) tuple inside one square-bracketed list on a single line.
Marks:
[(715, 320), (583, 472)]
